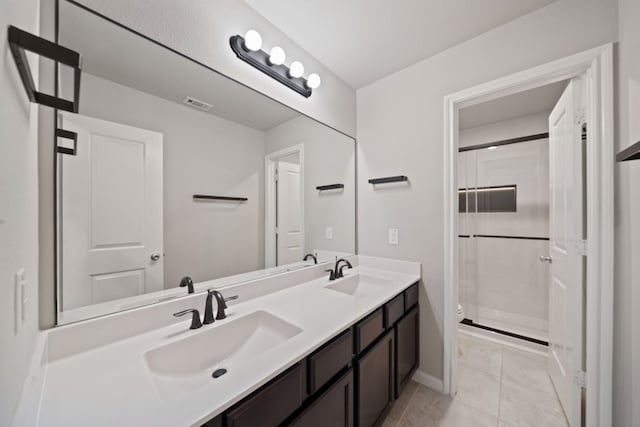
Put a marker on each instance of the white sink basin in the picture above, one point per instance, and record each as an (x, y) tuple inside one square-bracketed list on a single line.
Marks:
[(359, 285), (220, 345)]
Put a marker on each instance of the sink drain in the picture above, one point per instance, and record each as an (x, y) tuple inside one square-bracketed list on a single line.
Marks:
[(218, 373)]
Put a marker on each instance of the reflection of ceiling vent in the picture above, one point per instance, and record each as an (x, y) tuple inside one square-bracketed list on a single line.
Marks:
[(200, 105)]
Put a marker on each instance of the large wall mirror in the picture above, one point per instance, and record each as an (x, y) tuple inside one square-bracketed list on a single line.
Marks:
[(181, 171)]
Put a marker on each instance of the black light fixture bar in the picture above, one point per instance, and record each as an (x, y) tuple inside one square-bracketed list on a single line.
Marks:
[(67, 134), (260, 60), (227, 198), (388, 179), (329, 187), (629, 153), (21, 41)]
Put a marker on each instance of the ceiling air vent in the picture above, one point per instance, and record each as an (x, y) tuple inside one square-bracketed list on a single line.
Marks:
[(195, 103)]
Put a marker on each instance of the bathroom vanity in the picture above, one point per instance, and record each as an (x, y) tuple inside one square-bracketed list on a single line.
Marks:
[(296, 348)]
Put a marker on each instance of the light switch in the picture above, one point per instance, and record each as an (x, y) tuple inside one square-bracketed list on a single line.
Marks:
[(328, 233), (393, 236)]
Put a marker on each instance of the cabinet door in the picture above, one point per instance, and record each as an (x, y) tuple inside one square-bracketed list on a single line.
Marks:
[(332, 408), (375, 380), (407, 348), (272, 404)]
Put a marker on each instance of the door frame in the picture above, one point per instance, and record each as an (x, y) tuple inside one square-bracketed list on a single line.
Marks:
[(597, 65), (270, 160)]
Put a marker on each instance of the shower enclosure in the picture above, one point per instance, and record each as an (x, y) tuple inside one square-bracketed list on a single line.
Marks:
[(504, 228)]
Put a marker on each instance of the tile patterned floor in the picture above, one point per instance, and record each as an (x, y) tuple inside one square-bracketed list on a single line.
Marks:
[(498, 386)]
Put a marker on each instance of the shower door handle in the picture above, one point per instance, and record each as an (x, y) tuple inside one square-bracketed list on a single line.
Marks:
[(546, 259)]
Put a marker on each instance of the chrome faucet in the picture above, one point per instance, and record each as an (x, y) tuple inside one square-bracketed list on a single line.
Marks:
[(221, 302), (337, 272), (188, 283)]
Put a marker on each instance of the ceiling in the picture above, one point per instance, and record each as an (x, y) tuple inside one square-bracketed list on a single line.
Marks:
[(365, 40), (116, 54), (528, 102)]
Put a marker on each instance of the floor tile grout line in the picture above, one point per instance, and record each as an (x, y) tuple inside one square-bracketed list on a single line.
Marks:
[(407, 407)]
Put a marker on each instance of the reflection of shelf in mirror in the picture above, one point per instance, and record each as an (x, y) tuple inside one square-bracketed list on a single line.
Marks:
[(329, 187), (226, 198), (388, 179), (629, 153)]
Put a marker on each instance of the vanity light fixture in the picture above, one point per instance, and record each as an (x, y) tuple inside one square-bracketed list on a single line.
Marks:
[(248, 48)]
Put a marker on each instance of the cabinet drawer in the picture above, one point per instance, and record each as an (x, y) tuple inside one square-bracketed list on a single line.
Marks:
[(272, 404), (329, 360), (368, 330), (411, 296), (333, 408), (393, 310)]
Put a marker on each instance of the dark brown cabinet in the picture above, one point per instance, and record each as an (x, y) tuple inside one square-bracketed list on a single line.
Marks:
[(407, 348), (332, 408), (272, 404), (375, 382)]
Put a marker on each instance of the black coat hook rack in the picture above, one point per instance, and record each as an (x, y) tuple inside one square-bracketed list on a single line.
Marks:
[(21, 41), (386, 180)]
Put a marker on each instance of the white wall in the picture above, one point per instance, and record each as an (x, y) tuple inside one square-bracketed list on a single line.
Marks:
[(400, 131), (626, 350), (203, 154), (329, 158), (18, 210), (201, 29)]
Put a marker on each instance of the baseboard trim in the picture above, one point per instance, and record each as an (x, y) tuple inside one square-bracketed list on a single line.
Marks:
[(428, 381)]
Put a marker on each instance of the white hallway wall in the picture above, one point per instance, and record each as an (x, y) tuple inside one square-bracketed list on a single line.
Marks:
[(626, 349), (18, 210), (201, 30), (400, 131)]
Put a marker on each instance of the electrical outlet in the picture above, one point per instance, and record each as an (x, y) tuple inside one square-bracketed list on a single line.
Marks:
[(393, 236), (19, 292), (328, 233)]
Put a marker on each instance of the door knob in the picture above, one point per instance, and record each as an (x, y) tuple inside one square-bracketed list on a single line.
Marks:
[(546, 259), (155, 257)]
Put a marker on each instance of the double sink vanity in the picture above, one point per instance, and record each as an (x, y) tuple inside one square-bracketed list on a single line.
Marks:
[(294, 349)]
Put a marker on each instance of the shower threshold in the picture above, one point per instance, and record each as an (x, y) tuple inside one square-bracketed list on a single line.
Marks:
[(470, 322)]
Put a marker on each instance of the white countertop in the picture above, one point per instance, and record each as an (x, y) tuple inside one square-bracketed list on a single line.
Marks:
[(111, 385)]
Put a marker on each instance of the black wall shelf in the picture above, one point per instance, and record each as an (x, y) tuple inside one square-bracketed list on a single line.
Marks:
[(21, 41), (630, 153), (329, 187), (227, 198), (399, 178)]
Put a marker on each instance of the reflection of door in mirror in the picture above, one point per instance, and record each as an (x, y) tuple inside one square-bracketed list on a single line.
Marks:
[(111, 213), (289, 213), (284, 216)]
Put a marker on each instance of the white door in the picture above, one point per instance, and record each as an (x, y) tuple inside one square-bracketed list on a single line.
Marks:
[(289, 214), (566, 263), (111, 212)]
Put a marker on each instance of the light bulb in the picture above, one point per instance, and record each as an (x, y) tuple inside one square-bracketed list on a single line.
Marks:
[(277, 56), (313, 81), (253, 40), (296, 69)]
